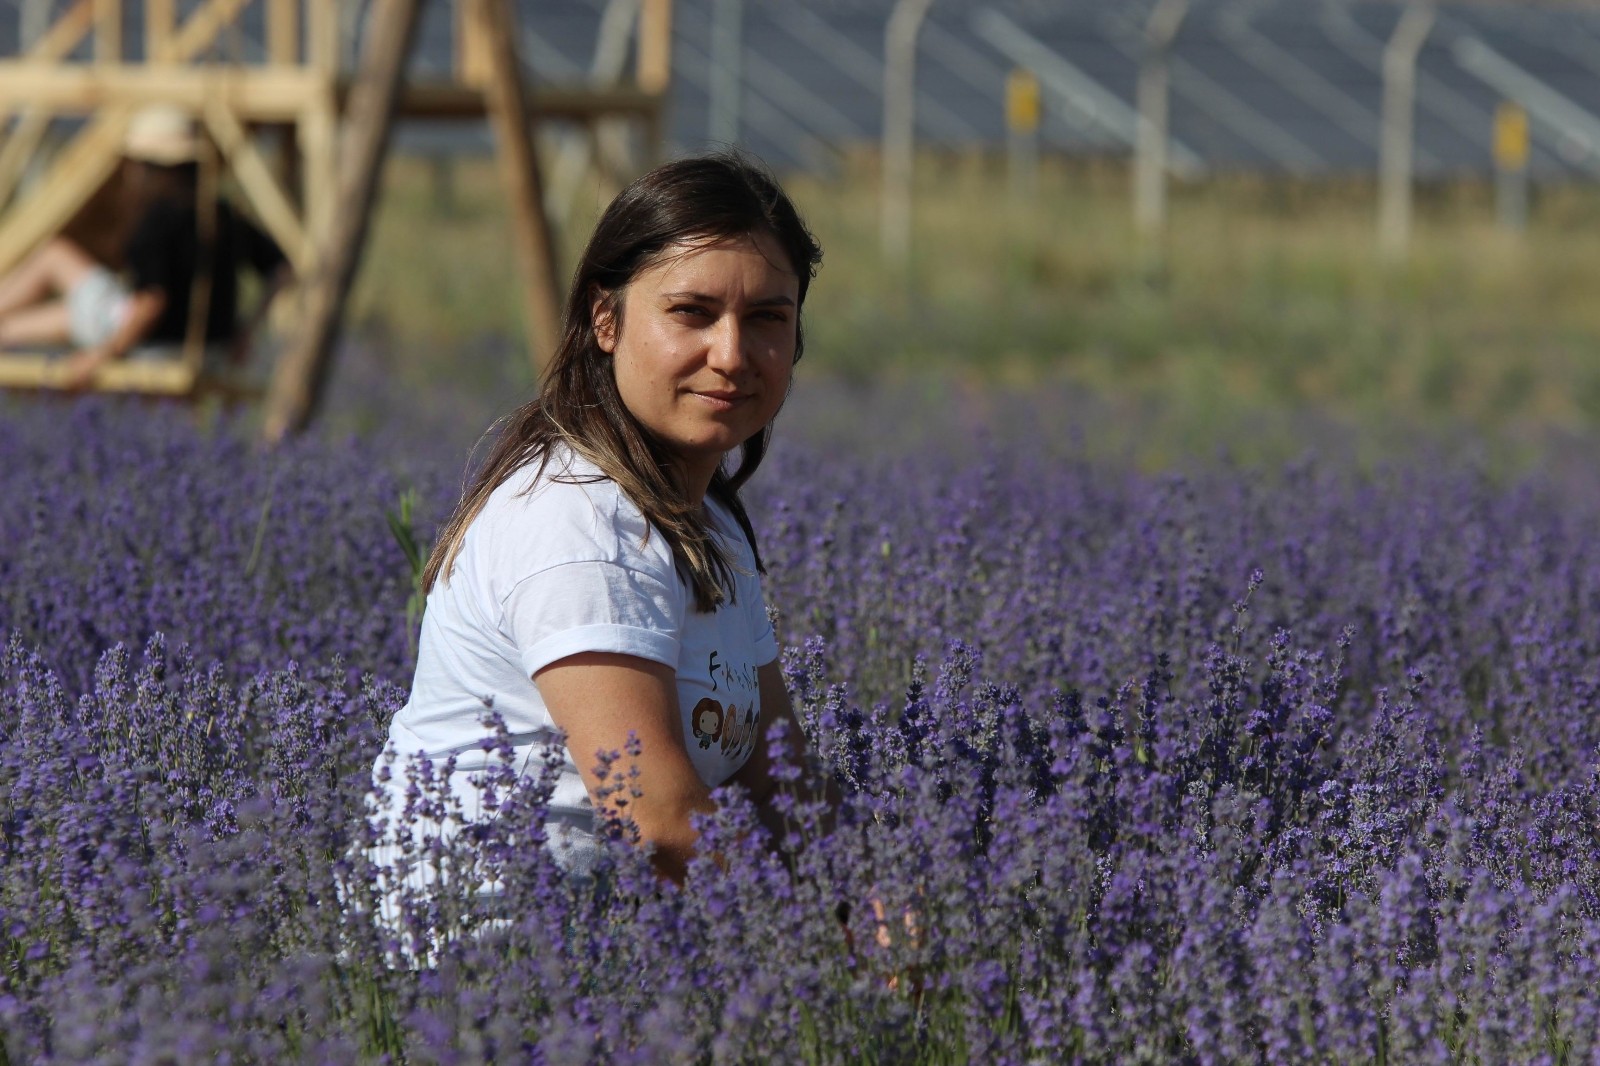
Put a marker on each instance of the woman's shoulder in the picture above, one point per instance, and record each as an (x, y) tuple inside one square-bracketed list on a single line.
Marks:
[(564, 510)]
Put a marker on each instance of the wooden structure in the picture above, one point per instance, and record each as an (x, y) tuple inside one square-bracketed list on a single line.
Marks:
[(289, 125)]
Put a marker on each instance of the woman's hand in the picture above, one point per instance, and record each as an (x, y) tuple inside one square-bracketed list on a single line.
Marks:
[(602, 700), (884, 935)]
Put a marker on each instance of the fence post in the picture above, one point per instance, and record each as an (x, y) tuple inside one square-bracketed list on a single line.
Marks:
[(1150, 143), (1022, 135), (1394, 155), (1511, 166), (899, 126)]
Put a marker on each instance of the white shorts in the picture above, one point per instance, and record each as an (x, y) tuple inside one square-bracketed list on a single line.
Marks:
[(96, 306)]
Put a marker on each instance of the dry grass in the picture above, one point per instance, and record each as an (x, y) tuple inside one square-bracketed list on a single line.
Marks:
[(1268, 297)]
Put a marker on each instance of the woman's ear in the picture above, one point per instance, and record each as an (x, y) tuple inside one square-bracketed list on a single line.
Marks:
[(602, 315)]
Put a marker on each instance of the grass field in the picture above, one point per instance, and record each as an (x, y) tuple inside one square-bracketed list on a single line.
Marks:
[(1268, 301)]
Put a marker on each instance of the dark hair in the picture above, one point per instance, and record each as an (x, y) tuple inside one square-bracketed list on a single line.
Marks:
[(724, 196)]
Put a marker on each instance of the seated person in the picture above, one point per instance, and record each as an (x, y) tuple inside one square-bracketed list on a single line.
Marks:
[(62, 297)]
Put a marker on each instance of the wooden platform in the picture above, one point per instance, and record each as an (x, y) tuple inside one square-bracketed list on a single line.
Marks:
[(144, 374)]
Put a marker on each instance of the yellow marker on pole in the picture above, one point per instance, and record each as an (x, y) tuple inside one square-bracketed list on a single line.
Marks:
[(1022, 135), (1022, 101), (1511, 166), (1510, 136)]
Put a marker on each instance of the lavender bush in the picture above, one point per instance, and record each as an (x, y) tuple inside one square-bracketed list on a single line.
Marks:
[(1237, 765)]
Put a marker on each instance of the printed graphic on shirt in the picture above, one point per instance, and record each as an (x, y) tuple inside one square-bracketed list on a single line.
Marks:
[(731, 725)]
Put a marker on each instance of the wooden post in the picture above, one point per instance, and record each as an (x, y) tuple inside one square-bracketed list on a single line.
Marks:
[(322, 45), (283, 31), (655, 46), (108, 31), (1394, 145), (302, 369), (472, 44), (160, 16), (318, 130), (519, 169)]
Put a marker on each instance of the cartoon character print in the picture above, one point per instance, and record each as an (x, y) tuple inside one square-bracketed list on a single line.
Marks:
[(732, 730), (738, 732), (731, 727), (707, 721)]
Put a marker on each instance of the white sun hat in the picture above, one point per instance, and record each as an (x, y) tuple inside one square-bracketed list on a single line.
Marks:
[(161, 134)]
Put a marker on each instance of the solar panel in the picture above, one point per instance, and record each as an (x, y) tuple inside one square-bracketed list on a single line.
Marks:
[(1278, 85)]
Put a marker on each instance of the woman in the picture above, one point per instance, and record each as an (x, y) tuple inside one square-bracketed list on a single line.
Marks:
[(180, 261), (600, 580)]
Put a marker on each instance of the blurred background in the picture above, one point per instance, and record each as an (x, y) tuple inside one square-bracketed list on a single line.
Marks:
[(1216, 223)]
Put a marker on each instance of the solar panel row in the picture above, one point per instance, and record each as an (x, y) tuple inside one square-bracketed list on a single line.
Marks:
[(1280, 85)]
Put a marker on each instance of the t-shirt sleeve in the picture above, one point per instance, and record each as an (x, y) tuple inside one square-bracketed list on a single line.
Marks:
[(592, 606), (766, 647)]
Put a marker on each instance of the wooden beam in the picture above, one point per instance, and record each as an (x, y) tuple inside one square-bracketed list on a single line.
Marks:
[(655, 46), (58, 41), (278, 94), (160, 377), (318, 131), (257, 94), (64, 33), (283, 31), (80, 169), (20, 147), (108, 31), (302, 368), (519, 170), (200, 30), (255, 178), (148, 376), (448, 101)]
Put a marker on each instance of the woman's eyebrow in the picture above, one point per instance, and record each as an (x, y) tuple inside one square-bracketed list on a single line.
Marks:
[(700, 297)]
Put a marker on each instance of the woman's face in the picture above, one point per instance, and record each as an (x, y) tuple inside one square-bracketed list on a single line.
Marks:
[(706, 347)]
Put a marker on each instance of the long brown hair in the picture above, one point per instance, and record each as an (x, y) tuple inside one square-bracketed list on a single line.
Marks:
[(717, 197)]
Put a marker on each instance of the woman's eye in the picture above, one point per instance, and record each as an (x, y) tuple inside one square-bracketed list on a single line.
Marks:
[(690, 311)]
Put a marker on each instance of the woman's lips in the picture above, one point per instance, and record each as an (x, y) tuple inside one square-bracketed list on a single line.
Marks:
[(721, 399)]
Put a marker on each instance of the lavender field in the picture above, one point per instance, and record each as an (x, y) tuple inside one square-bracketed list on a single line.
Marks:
[(1231, 763)]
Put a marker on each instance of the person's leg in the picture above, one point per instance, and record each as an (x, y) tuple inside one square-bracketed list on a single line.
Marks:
[(52, 270), (48, 324)]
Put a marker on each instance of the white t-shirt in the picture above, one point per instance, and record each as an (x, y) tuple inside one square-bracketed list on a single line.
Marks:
[(568, 567)]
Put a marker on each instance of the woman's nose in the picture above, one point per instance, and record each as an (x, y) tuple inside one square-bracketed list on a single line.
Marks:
[(727, 345)]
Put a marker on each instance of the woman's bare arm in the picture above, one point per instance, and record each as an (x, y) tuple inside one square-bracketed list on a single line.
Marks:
[(598, 699)]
